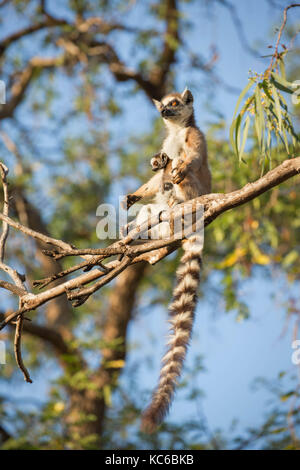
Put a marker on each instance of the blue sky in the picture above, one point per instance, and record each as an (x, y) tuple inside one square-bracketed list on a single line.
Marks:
[(234, 353)]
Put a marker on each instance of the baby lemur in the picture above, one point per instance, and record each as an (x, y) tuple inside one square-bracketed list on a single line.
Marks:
[(182, 173)]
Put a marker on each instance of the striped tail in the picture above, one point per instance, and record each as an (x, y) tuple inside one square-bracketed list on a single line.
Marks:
[(181, 317)]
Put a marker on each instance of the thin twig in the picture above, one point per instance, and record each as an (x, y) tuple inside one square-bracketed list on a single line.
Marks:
[(83, 294), (276, 55), (12, 288), (17, 348), (13, 315), (41, 283), (5, 226), (120, 249), (37, 235)]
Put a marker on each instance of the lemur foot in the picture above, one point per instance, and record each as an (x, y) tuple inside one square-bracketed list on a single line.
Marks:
[(129, 200), (159, 161), (168, 186), (173, 201)]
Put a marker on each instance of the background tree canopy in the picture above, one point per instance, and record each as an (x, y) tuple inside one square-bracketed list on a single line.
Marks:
[(78, 129)]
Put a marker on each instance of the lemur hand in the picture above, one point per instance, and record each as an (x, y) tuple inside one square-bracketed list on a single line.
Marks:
[(129, 200), (178, 172), (159, 161)]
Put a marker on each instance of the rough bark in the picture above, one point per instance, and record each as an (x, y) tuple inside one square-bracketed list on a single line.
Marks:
[(119, 312)]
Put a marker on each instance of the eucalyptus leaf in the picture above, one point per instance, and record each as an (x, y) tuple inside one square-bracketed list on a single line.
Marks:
[(245, 135), (281, 83), (243, 93), (277, 107)]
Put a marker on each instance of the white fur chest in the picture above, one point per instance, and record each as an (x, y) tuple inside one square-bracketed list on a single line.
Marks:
[(174, 142)]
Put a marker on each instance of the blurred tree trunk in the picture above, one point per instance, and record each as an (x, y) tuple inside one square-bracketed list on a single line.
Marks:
[(119, 313)]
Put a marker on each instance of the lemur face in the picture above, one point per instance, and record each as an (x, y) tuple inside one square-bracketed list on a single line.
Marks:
[(176, 107)]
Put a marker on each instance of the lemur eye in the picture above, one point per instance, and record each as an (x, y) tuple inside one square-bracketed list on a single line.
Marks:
[(174, 103)]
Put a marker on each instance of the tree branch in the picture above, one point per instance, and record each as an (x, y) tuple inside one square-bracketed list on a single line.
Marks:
[(23, 80), (276, 54), (96, 24), (15, 276), (214, 205), (3, 238), (47, 23), (17, 348), (170, 45), (77, 40)]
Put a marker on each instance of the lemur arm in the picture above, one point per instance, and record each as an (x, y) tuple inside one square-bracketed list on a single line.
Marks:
[(148, 189), (158, 162), (193, 155)]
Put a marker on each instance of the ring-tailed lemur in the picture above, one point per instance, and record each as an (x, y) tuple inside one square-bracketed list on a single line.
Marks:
[(182, 173)]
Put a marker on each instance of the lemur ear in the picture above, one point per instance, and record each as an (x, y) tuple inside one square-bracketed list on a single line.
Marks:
[(187, 96), (157, 104)]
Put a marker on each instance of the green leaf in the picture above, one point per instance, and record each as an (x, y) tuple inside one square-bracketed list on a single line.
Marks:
[(107, 395), (281, 83), (290, 258), (277, 107), (278, 430), (285, 140), (259, 119), (237, 134), (245, 135), (291, 131), (286, 396), (283, 102), (282, 68), (243, 93), (232, 133), (269, 141), (117, 364), (266, 84)]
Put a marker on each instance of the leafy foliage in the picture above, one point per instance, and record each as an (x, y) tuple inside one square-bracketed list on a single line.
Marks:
[(268, 110)]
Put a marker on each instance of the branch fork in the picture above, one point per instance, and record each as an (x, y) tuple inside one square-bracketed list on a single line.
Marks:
[(82, 286)]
